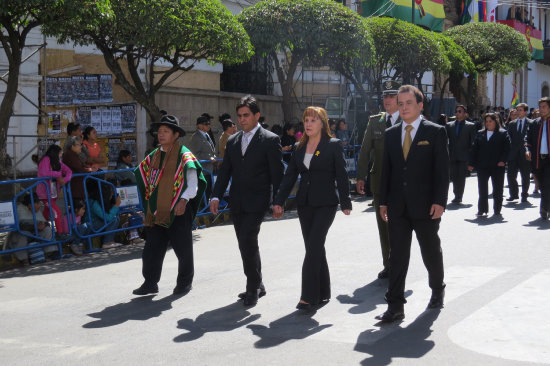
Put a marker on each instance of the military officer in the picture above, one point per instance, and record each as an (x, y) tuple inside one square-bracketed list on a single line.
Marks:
[(373, 148)]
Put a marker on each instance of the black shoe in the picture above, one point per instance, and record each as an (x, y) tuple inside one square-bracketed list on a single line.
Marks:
[(497, 213), (511, 199), (385, 273), (251, 298), (544, 214), (261, 293), (146, 290), (303, 306), (436, 302), (524, 200), (390, 316), (182, 290), (480, 214), (457, 200)]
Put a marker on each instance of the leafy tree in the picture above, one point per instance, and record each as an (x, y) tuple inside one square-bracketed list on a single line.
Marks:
[(492, 47), (403, 50), (151, 33), (306, 32), (18, 19)]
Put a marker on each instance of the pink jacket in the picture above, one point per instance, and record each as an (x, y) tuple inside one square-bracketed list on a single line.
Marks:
[(45, 170)]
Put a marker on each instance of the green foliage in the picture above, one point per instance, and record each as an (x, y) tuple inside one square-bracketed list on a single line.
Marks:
[(406, 48), (172, 30), (459, 61), (492, 46)]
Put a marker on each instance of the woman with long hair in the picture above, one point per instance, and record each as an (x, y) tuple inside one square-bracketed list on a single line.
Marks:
[(51, 166), (489, 155), (96, 157), (319, 160)]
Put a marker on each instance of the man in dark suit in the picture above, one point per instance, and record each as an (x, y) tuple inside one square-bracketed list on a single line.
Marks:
[(253, 162), (537, 146), (461, 135), (517, 129), (413, 196)]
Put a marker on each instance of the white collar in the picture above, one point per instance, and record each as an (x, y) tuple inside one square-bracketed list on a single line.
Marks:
[(253, 131), (415, 124), (394, 117)]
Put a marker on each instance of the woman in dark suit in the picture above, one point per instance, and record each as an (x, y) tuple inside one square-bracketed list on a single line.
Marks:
[(489, 155), (319, 160)]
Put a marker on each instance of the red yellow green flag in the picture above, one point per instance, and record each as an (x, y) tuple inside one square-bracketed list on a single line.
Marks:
[(427, 13), (515, 97), (533, 35)]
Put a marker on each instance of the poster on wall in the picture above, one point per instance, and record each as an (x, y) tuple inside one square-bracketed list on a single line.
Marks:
[(113, 149), (51, 91), (54, 123), (116, 121), (79, 89), (64, 90), (105, 120), (128, 118), (105, 88), (92, 89), (84, 117), (95, 119)]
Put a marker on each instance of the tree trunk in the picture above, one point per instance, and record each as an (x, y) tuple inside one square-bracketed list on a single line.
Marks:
[(6, 107)]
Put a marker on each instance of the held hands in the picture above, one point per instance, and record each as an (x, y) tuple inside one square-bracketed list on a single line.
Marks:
[(278, 211), (384, 213), (214, 204), (436, 211), (180, 207), (118, 201), (360, 186)]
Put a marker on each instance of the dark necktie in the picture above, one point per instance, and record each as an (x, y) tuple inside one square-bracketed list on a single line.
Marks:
[(458, 125), (209, 141), (520, 125), (388, 121)]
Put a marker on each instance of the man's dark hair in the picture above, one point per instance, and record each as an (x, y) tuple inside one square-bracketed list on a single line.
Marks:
[(223, 117), (71, 127), (27, 198), (412, 89), (250, 102), (545, 100), (227, 123), (461, 106)]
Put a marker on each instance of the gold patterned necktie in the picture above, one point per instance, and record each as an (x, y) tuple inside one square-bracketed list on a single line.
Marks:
[(407, 142)]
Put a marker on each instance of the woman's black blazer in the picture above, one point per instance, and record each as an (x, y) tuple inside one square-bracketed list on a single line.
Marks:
[(326, 181)]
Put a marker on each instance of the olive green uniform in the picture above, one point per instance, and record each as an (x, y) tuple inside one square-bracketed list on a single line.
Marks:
[(373, 148)]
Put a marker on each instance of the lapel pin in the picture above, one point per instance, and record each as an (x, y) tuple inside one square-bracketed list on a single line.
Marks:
[(317, 153)]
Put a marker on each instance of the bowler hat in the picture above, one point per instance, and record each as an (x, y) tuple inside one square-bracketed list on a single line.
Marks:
[(171, 121), (390, 87), (203, 120)]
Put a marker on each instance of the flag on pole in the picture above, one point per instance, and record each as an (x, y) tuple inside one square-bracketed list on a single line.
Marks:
[(491, 10), (470, 11), (515, 97)]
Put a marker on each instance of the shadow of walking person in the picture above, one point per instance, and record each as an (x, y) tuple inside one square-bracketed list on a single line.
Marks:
[(224, 319), (392, 341), (296, 325), (139, 308), (366, 298)]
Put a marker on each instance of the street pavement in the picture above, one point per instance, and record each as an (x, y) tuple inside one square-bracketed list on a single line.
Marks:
[(81, 311)]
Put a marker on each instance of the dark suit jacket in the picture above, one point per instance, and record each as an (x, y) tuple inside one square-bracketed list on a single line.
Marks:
[(533, 141), (255, 177), (460, 145), (517, 139), (202, 149), (318, 184), (411, 187), (487, 154)]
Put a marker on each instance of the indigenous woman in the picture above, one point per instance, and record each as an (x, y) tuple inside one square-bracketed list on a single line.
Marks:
[(171, 185)]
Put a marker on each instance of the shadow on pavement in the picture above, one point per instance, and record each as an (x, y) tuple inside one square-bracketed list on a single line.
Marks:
[(224, 319), (296, 325), (366, 298), (539, 223), (487, 220), (457, 206), (392, 341), (139, 308)]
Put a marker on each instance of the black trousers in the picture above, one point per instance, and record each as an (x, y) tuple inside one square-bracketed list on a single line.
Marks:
[(382, 232), (543, 176), (497, 180), (524, 168), (401, 229), (247, 227), (180, 238), (315, 223), (458, 177)]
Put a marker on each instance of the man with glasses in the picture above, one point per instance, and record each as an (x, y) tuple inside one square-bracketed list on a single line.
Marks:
[(517, 129), (461, 134)]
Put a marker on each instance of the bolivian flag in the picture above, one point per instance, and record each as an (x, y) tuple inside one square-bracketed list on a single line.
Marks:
[(515, 97), (533, 35), (427, 13)]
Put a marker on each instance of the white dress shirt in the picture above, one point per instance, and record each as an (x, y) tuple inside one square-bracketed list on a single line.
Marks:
[(415, 125)]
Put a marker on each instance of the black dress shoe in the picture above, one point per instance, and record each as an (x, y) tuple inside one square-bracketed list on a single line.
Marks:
[(251, 298), (182, 290), (261, 293), (385, 273), (146, 290), (390, 316), (511, 199), (524, 200), (544, 214), (436, 302), (457, 200), (479, 214), (303, 306)]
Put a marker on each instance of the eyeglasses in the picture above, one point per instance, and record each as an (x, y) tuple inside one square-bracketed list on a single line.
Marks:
[(459, 111)]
